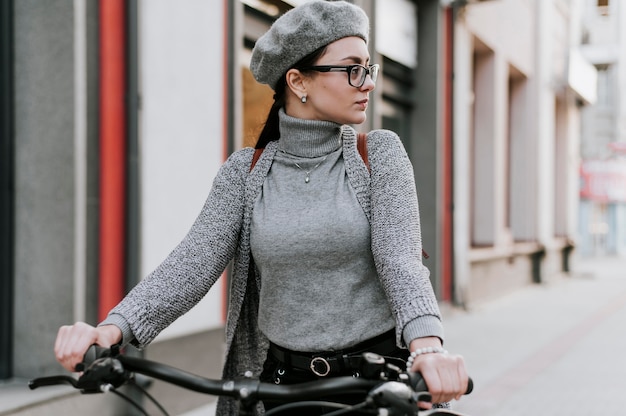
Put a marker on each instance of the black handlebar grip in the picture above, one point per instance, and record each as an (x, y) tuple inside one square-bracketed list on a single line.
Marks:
[(92, 354), (418, 383)]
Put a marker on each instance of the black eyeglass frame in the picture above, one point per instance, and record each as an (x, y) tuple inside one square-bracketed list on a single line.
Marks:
[(371, 70)]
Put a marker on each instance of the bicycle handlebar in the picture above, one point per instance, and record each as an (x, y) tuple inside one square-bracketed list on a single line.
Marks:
[(105, 369)]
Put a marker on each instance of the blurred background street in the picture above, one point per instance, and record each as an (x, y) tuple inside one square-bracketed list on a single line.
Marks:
[(550, 350)]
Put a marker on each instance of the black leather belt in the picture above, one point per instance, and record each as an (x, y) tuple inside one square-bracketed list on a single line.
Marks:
[(335, 362)]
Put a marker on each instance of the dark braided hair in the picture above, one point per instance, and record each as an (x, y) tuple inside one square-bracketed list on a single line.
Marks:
[(271, 130)]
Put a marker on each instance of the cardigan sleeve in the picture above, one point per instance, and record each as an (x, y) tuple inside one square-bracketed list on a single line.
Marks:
[(195, 264), (396, 239)]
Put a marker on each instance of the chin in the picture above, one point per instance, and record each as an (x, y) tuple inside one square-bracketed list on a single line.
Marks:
[(361, 120), (357, 119), (351, 118)]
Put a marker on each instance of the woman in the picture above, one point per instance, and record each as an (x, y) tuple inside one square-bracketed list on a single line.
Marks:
[(326, 252)]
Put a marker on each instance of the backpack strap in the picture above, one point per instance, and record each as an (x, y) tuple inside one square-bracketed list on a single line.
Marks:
[(361, 146), (255, 157)]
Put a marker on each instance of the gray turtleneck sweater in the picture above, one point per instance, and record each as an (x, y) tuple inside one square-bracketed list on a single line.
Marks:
[(311, 243)]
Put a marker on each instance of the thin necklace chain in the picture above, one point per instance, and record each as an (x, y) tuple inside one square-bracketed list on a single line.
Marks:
[(307, 179)]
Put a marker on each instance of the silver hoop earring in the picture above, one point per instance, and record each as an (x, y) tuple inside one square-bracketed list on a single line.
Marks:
[(303, 99)]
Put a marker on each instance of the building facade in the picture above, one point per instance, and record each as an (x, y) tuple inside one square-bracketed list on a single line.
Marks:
[(520, 84), (117, 115), (603, 169)]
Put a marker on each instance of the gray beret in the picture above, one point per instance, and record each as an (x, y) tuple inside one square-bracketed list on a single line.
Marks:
[(300, 32)]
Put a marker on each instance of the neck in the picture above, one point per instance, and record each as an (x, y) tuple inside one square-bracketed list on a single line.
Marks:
[(308, 138)]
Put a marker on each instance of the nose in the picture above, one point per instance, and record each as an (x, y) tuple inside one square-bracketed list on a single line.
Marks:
[(369, 84)]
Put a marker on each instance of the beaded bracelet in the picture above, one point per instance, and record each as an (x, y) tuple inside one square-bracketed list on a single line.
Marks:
[(421, 351)]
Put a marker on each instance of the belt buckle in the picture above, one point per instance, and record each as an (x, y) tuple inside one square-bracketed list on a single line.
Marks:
[(320, 360)]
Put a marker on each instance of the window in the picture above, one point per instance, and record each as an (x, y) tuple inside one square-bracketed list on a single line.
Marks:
[(561, 171), (483, 215), (501, 154), (605, 88), (519, 154), (603, 7), (398, 102)]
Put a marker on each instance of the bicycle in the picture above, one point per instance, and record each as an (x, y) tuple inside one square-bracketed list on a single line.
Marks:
[(387, 389)]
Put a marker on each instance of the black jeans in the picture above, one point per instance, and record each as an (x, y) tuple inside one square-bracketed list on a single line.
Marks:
[(278, 372)]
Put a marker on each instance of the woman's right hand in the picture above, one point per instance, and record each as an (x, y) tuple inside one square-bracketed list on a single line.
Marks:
[(73, 341)]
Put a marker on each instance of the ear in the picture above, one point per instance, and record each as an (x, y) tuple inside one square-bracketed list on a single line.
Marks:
[(297, 82)]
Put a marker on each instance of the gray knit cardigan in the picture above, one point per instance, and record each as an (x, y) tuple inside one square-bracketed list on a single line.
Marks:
[(221, 233)]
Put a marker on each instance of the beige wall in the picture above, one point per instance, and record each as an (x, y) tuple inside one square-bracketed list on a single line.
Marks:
[(516, 139)]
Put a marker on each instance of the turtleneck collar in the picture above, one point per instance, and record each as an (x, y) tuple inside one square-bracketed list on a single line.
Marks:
[(308, 138)]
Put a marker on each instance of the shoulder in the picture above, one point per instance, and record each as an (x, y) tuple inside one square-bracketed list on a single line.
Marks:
[(241, 157), (382, 135), (239, 161), (384, 144), (236, 168)]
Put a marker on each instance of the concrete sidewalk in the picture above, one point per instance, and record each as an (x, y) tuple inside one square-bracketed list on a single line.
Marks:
[(555, 349)]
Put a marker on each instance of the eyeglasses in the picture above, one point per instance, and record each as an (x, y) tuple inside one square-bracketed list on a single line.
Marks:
[(356, 73)]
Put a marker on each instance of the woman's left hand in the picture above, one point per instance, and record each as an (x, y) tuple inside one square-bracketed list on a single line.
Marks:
[(444, 374)]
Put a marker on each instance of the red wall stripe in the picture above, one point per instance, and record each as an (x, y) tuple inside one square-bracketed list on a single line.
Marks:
[(447, 249), (112, 155)]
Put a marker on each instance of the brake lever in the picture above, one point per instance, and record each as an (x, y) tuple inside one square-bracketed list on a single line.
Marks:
[(102, 375), (88, 381), (51, 381)]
